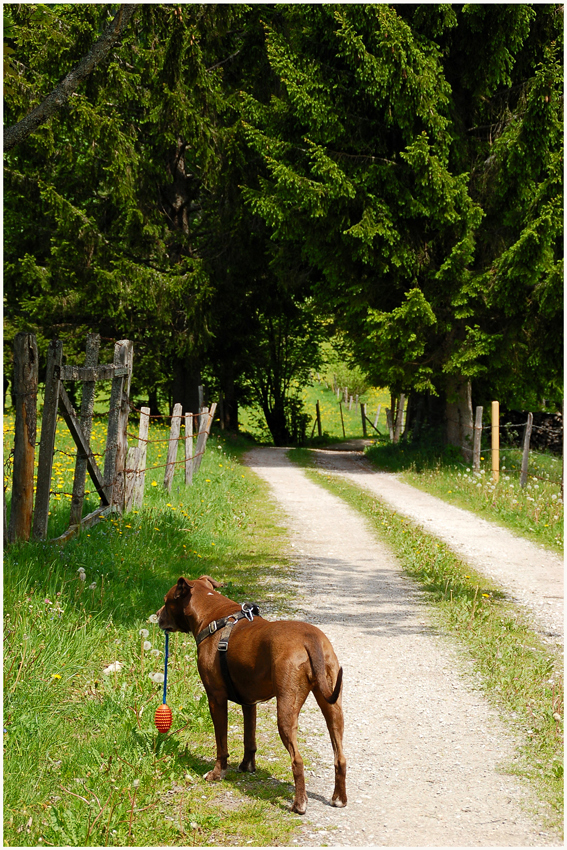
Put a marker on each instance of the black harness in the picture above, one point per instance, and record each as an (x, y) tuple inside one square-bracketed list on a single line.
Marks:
[(247, 612)]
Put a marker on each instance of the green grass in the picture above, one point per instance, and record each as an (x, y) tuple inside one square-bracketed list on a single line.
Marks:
[(521, 675), (83, 762), (253, 424), (535, 512)]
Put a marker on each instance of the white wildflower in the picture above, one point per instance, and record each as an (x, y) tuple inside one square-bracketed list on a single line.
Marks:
[(152, 618), (144, 633), (116, 667), (147, 645)]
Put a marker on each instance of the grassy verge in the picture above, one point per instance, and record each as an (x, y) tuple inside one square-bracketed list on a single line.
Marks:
[(83, 762), (520, 674), (535, 512)]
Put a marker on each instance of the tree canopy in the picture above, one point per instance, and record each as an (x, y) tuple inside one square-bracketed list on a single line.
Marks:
[(232, 183)]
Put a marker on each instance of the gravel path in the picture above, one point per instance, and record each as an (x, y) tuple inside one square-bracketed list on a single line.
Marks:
[(531, 574), (425, 751)]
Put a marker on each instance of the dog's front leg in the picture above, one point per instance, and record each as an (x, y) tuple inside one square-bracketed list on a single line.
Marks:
[(219, 714), (248, 763)]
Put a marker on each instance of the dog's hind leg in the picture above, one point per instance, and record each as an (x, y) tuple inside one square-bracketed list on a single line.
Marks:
[(333, 714), (219, 714), (289, 706), (248, 763)]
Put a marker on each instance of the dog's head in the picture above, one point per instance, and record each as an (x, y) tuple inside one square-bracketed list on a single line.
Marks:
[(175, 614)]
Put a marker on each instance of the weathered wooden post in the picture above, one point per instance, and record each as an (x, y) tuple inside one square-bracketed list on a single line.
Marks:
[(205, 422), (363, 415), (342, 418), (477, 437), (526, 450), (495, 440), (188, 449), (319, 429), (399, 418), (377, 416), (116, 439), (25, 399), (47, 440), (173, 446), (140, 475), (86, 419)]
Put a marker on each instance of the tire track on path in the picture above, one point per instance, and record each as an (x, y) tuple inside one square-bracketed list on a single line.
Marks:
[(531, 574), (425, 751)]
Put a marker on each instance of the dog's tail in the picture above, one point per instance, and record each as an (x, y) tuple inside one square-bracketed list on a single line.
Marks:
[(318, 665)]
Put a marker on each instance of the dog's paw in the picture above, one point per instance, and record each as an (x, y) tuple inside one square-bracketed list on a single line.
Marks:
[(214, 775)]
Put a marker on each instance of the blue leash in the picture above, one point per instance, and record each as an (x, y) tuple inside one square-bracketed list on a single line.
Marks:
[(165, 673)]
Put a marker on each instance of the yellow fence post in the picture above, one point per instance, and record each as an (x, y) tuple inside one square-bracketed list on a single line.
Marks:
[(495, 440)]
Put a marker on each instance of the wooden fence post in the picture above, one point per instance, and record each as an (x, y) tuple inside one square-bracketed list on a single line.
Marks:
[(342, 419), (173, 446), (47, 440), (87, 405), (140, 475), (116, 439), (495, 440), (201, 437), (477, 436), (318, 408), (25, 395), (526, 450), (389, 424), (188, 449), (376, 417), (363, 414), (399, 418)]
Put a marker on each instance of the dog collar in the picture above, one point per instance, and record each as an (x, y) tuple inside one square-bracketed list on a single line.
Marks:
[(248, 610)]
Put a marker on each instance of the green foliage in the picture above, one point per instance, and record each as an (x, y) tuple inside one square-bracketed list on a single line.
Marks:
[(395, 170), (83, 762)]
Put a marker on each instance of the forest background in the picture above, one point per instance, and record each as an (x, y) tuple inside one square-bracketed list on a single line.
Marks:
[(237, 187)]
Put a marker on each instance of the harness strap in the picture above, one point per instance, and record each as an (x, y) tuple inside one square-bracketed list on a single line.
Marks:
[(231, 691), (249, 609), (218, 624), (247, 612)]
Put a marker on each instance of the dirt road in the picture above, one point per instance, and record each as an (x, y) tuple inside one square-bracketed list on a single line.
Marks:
[(424, 748)]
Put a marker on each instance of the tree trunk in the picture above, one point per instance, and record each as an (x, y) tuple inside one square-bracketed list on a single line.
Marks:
[(186, 383), (277, 423), (459, 415)]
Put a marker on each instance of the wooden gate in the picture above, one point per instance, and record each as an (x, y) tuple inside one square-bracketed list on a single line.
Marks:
[(110, 484)]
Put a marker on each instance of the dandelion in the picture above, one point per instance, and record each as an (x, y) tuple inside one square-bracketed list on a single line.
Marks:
[(156, 652), (154, 483), (156, 677), (147, 645), (153, 618), (55, 676), (144, 632), (116, 667), (92, 586)]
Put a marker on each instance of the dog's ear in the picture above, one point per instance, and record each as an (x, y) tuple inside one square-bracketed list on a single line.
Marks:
[(214, 584), (182, 589)]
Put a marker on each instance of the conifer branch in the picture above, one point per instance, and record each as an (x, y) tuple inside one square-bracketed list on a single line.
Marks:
[(18, 132)]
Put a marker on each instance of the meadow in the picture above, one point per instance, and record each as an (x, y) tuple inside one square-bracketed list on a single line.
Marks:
[(83, 762)]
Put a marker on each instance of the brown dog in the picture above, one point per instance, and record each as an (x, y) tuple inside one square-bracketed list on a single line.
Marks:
[(284, 659)]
